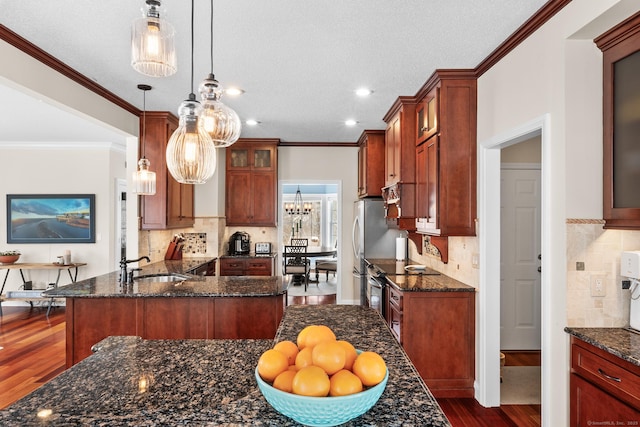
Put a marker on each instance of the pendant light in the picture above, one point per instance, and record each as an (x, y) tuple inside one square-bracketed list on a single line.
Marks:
[(153, 50), (220, 121), (144, 181), (191, 154)]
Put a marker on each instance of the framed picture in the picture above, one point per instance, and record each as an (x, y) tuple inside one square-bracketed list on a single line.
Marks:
[(51, 218)]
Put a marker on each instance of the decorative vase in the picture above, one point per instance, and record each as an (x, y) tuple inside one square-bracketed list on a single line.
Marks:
[(8, 259)]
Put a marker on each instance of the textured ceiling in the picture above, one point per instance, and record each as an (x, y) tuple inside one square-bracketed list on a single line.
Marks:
[(299, 62)]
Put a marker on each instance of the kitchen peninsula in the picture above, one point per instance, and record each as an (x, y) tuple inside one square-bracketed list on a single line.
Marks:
[(132, 382), (194, 307)]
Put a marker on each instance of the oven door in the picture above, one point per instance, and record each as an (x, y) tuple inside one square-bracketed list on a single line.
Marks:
[(374, 294)]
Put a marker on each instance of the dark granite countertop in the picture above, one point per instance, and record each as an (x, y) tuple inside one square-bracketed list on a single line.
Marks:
[(251, 255), (108, 285), (431, 281), (620, 342), (135, 382)]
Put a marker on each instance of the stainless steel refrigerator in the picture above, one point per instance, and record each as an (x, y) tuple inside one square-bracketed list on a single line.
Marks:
[(371, 239)]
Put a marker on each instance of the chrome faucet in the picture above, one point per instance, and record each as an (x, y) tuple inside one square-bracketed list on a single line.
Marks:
[(126, 278)]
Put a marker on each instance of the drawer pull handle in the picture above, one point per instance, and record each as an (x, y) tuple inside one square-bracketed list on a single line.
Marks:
[(616, 379)]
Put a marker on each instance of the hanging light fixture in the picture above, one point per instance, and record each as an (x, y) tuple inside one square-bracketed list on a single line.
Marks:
[(191, 155), (220, 121), (144, 181), (153, 50), (298, 207)]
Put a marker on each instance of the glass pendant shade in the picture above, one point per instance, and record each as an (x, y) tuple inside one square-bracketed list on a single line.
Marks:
[(144, 180), (221, 123), (153, 50), (191, 155)]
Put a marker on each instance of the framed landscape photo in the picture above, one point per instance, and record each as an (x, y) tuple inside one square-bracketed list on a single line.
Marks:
[(51, 218)]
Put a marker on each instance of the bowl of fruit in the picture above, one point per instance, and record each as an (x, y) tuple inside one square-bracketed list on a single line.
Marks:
[(320, 380)]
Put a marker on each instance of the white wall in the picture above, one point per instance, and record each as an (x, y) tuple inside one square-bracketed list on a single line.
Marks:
[(311, 164), (66, 170), (557, 71)]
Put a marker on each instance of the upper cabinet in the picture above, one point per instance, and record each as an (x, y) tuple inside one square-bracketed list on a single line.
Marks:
[(621, 119), (400, 165), (446, 154), (371, 163), (172, 205), (251, 182)]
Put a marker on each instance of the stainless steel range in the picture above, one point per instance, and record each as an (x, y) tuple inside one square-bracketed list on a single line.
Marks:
[(379, 269)]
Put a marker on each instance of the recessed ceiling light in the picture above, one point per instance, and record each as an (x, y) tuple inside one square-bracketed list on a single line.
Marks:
[(350, 122), (252, 122), (363, 91), (233, 91)]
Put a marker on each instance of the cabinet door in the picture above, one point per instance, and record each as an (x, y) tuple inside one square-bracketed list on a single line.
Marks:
[(427, 116), (238, 198), (238, 158), (179, 204), (590, 405), (433, 173), (259, 267), (421, 186), (392, 158), (232, 267), (263, 212), (362, 169), (263, 158)]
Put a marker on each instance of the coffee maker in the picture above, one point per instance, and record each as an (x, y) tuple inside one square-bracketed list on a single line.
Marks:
[(239, 243)]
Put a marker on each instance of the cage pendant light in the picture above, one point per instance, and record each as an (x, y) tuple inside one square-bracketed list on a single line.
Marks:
[(153, 50), (191, 154), (220, 121), (144, 180)]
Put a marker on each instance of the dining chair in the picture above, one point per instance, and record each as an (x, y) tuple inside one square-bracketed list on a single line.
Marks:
[(296, 262), (297, 241)]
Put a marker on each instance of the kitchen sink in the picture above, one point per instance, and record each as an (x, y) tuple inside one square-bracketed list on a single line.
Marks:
[(162, 278)]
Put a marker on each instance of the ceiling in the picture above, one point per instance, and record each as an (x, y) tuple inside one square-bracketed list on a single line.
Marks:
[(299, 62)]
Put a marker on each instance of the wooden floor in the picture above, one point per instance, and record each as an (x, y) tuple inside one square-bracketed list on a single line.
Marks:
[(33, 352)]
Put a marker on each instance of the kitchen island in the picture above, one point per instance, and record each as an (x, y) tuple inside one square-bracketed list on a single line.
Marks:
[(133, 382), (198, 307)]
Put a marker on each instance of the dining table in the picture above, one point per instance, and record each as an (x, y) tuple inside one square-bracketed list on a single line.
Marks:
[(315, 252)]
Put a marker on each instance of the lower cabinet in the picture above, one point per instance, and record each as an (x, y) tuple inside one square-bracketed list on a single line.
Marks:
[(90, 320), (247, 266), (605, 390), (437, 331)]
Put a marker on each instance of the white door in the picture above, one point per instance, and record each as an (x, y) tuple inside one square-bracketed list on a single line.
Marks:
[(520, 298)]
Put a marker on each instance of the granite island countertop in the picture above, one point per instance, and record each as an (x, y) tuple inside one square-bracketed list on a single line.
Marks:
[(109, 286), (621, 342), (135, 382)]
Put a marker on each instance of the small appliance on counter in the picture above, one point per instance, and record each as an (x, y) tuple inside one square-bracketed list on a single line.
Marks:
[(630, 268), (263, 248), (239, 243)]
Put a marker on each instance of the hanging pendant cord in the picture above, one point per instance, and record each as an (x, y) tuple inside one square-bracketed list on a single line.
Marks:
[(211, 39), (144, 123)]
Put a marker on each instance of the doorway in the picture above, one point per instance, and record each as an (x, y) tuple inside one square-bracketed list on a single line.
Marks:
[(488, 297)]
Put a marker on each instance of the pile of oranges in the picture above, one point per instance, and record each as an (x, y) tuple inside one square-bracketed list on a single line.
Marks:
[(319, 364)]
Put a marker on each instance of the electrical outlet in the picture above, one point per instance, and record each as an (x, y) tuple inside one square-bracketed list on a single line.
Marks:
[(598, 285)]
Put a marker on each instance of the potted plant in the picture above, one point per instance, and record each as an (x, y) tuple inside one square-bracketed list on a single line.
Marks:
[(9, 257)]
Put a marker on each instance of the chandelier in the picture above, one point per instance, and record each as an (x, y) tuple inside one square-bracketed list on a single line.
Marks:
[(298, 207)]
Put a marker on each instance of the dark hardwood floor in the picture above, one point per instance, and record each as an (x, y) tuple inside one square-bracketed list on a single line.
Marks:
[(33, 351)]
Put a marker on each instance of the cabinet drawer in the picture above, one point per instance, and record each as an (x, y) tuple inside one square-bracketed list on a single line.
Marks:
[(395, 323), (608, 372), (395, 298)]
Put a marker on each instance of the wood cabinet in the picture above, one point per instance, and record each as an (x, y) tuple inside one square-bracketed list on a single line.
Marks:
[(246, 266), (400, 164), (446, 155), (207, 269), (251, 182), (172, 205), (371, 168), (437, 331), (90, 320), (603, 387), (621, 60)]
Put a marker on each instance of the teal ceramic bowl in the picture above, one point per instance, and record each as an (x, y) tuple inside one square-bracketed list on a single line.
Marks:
[(321, 411)]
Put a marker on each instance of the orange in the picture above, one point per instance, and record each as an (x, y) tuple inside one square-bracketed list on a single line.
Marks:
[(284, 381), (328, 355), (370, 368), (350, 353), (289, 348), (304, 358), (311, 381), (344, 382), (317, 334), (302, 336), (271, 363)]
